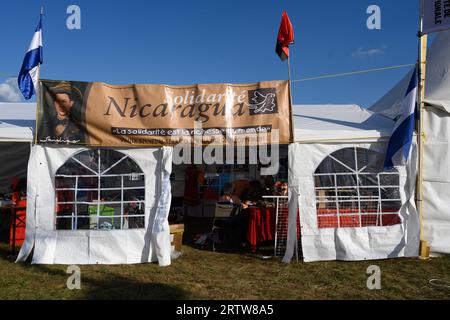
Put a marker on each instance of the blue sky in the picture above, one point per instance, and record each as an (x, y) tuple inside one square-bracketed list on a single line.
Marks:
[(200, 41)]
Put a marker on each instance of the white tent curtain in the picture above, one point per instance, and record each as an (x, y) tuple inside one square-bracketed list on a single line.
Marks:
[(360, 243), (436, 164), (436, 179), (53, 246)]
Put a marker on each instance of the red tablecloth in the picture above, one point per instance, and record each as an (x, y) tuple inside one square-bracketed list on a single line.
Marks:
[(261, 225)]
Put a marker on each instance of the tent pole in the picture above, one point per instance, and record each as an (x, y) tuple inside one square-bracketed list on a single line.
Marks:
[(38, 94), (38, 103), (424, 248)]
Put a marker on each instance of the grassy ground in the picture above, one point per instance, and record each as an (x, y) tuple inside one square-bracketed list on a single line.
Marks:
[(202, 274)]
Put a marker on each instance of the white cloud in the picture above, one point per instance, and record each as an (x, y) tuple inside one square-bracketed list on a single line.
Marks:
[(361, 53), (9, 91)]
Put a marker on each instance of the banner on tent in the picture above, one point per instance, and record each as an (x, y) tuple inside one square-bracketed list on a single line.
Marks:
[(436, 15), (153, 115)]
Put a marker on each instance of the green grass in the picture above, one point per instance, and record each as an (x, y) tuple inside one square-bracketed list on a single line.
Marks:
[(202, 274)]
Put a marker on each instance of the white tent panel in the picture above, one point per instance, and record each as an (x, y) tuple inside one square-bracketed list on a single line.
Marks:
[(313, 123), (11, 133), (436, 179), (436, 171), (53, 246), (359, 243), (437, 85)]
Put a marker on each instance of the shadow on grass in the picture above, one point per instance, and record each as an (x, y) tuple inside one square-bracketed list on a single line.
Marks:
[(100, 284), (112, 286)]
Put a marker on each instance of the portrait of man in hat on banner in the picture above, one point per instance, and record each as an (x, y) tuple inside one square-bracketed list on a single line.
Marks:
[(61, 119)]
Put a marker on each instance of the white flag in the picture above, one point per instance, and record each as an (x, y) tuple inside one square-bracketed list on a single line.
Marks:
[(436, 15)]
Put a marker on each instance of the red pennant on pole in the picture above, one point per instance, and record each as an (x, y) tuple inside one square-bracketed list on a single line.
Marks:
[(285, 37)]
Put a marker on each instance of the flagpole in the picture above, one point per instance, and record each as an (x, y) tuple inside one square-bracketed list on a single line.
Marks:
[(289, 69), (423, 39), (290, 89), (38, 94)]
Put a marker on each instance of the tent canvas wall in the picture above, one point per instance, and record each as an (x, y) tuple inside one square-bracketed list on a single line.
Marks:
[(63, 188), (436, 157), (321, 133)]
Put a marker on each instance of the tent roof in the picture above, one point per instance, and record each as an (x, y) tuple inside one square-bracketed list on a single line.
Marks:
[(17, 122), (437, 81), (338, 123), (311, 123)]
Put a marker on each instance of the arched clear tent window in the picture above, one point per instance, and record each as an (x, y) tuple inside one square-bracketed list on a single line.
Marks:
[(99, 189), (352, 190)]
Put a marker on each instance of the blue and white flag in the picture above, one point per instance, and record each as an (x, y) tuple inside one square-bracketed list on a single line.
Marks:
[(401, 139), (28, 76)]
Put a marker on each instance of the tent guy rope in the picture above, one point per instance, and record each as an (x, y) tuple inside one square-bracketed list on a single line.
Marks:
[(325, 76), (354, 72)]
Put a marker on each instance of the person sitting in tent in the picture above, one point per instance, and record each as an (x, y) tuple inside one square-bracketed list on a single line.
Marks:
[(229, 196), (236, 226)]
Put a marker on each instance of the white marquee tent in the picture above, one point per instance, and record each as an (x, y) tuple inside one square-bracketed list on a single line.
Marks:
[(350, 225), (436, 119)]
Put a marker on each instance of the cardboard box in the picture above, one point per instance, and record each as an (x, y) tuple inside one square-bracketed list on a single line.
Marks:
[(176, 236)]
